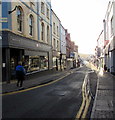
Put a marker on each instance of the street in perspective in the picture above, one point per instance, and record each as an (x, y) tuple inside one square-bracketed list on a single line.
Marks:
[(60, 98), (49, 68)]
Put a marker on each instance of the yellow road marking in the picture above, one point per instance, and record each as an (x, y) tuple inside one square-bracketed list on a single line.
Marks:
[(35, 86), (81, 109), (86, 107), (85, 102)]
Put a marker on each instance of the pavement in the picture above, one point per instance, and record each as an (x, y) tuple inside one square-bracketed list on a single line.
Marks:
[(32, 81), (103, 106)]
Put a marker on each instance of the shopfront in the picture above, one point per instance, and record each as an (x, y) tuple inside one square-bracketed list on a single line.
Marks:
[(56, 60), (10, 59), (35, 56), (35, 61)]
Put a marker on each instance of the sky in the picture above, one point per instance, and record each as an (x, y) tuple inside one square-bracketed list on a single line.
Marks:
[(83, 19)]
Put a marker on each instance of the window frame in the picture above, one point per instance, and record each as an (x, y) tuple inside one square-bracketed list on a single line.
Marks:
[(42, 7), (19, 19), (54, 27), (48, 33), (111, 22), (42, 31), (57, 30), (31, 24), (47, 12)]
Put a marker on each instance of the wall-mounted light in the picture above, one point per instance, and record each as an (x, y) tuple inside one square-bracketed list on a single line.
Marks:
[(9, 12)]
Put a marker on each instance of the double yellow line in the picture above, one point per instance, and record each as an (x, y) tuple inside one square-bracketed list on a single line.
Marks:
[(20, 91), (85, 101)]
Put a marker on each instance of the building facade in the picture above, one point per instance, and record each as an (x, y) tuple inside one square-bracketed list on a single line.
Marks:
[(26, 37), (71, 52), (109, 37), (68, 44), (99, 61), (63, 48), (56, 41)]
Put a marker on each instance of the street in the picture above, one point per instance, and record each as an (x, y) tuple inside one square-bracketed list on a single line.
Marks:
[(61, 99)]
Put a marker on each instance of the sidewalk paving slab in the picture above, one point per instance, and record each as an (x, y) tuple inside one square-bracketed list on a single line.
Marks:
[(31, 82), (104, 100)]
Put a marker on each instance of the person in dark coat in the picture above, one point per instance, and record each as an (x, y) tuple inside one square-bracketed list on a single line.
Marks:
[(105, 68), (20, 74)]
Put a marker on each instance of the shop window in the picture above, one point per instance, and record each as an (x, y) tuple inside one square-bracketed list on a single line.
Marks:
[(35, 63), (44, 62), (54, 61)]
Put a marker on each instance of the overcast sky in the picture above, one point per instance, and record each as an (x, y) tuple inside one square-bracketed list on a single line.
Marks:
[(83, 19)]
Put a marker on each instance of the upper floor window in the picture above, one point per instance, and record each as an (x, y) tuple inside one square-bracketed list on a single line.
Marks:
[(42, 31), (47, 33), (42, 8), (57, 31), (111, 25), (32, 4), (47, 13), (19, 19), (31, 25), (54, 43), (57, 45), (54, 28)]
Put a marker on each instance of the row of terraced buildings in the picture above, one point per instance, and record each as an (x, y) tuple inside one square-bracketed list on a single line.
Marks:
[(33, 33), (105, 50)]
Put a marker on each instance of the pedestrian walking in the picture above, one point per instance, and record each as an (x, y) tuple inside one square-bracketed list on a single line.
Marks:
[(105, 68), (20, 74)]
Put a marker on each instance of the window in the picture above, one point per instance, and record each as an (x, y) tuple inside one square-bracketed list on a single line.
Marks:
[(47, 33), (54, 44), (31, 25), (42, 31), (54, 28), (111, 25), (47, 13), (42, 8), (19, 19), (32, 4), (57, 31), (57, 45)]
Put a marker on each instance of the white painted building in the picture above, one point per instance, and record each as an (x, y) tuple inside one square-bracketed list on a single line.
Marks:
[(100, 51), (109, 37), (55, 40)]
